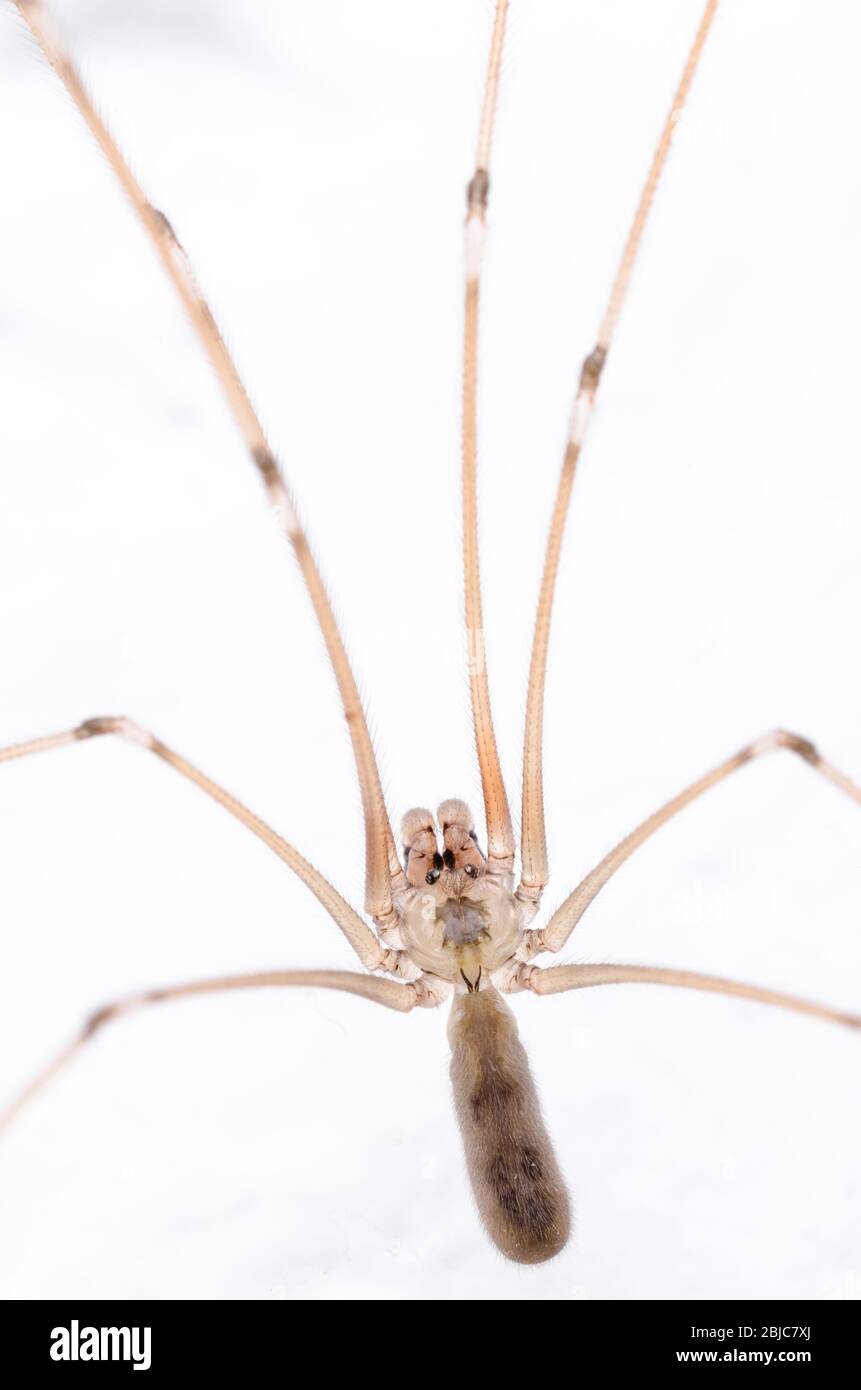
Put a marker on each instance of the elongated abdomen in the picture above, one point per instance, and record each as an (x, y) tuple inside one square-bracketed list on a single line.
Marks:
[(518, 1187)]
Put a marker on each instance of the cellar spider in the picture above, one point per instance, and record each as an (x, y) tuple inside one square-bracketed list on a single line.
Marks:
[(525, 1216)]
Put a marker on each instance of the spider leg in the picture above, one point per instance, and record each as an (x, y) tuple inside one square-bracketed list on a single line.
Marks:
[(535, 870), (554, 936), (558, 978), (500, 834), (363, 941), (390, 993), (382, 868)]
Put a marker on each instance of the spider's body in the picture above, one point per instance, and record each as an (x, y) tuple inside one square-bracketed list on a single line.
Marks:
[(458, 921), (448, 917), (465, 938), (482, 928), (461, 925)]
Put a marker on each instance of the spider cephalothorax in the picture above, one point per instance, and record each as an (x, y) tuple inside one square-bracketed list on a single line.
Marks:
[(462, 923)]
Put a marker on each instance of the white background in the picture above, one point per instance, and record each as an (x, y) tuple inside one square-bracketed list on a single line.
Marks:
[(313, 157)]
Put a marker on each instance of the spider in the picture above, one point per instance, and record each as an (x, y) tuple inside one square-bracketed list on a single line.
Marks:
[(451, 915)]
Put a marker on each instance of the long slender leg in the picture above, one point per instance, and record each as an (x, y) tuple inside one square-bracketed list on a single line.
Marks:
[(558, 978), (358, 933), (500, 835), (534, 865), (382, 868), (554, 936), (389, 993)]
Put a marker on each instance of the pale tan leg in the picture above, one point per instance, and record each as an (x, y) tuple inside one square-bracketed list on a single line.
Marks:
[(391, 994), (381, 858), (500, 835), (558, 978), (534, 864), (358, 933), (554, 936)]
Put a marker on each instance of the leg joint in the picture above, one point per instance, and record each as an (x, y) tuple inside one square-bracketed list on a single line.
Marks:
[(524, 978), (477, 191), (533, 943), (783, 738), (590, 373), (117, 724), (429, 994)]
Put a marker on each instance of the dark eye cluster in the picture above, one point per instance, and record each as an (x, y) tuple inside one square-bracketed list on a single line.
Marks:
[(433, 874)]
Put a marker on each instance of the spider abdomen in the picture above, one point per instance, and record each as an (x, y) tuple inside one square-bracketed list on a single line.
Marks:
[(519, 1190)]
